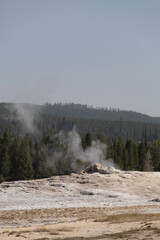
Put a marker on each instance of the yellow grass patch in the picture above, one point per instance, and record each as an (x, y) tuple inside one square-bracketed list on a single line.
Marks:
[(129, 217), (41, 229)]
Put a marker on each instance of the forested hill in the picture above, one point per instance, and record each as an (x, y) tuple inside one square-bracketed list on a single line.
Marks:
[(79, 111), (83, 111), (22, 119)]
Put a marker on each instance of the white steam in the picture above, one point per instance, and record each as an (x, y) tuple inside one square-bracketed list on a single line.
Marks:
[(27, 116), (74, 157), (80, 158), (109, 163)]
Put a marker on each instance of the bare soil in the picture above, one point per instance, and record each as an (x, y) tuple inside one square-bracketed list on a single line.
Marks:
[(122, 205)]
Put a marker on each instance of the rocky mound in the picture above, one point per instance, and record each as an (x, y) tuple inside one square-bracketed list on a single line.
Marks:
[(98, 168)]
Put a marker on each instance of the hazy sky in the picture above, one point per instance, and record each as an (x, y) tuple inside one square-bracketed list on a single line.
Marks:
[(104, 53)]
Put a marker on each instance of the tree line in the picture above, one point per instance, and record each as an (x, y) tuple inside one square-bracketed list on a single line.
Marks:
[(23, 158), (73, 110), (51, 119), (128, 155), (142, 156)]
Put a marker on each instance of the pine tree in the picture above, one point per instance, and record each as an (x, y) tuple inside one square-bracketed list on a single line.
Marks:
[(15, 158), (88, 139), (129, 147), (24, 161), (84, 144), (108, 153), (155, 152), (115, 150), (5, 161), (40, 160), (142, 155), (120, 147), (101, 138), (37, 160), (125, 159), (136, 157)]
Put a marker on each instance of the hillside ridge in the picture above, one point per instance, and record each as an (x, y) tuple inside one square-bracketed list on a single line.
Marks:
[(83, 111)]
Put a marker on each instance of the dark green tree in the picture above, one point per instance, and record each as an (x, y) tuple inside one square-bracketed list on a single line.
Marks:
[(15, 148), (101, 138), (125, 159), (155, 152), (5, 161), (129, 147), (24, 161), (84, 144), (136, 157), (88, 139)]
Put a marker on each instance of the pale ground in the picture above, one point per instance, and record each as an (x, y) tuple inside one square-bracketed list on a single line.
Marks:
[(123, 205)]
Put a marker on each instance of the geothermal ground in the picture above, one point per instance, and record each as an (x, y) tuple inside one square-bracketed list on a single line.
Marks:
[(115, 205)]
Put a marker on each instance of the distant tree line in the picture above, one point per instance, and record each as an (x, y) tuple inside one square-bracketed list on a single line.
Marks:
[(51, 119), (73, 110), (48, 124)]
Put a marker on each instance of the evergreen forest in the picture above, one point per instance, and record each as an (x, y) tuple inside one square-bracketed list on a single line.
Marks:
[(30, 148)]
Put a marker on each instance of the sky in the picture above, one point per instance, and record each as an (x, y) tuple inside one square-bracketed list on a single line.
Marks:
[(104, 53)]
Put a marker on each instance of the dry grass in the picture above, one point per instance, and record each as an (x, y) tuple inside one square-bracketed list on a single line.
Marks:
[(121, 235), (57, 213), (52, 231), (42, 229), (129, 217), (55, 230), (115, 215), (13, 232)]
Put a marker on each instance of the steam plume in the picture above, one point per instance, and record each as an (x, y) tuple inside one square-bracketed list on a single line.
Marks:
[(27, 116), (79, 158)]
